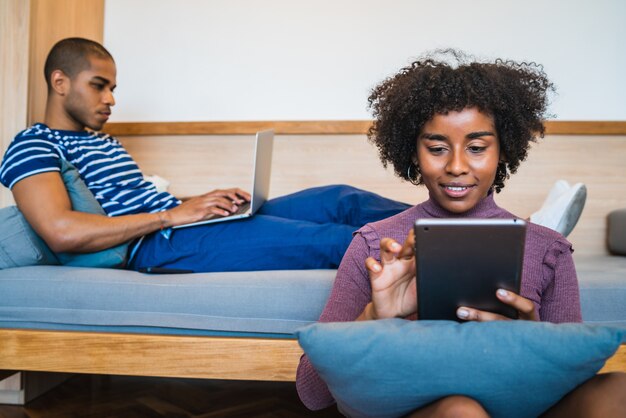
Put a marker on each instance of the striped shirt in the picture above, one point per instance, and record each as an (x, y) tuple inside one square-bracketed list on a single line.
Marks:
[(107, 169)]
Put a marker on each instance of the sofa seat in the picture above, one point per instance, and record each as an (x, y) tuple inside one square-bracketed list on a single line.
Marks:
[(275, 303), (90, 299), (602, 280)]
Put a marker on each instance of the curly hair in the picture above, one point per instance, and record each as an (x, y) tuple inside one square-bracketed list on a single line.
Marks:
[(515, 94)]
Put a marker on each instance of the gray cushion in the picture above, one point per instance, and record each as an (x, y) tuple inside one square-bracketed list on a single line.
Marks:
[(21, 246), (616, 232), (265, 301), (602, 280), (84, 201)]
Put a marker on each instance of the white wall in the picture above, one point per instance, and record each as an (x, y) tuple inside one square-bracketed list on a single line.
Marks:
[(203, 60)]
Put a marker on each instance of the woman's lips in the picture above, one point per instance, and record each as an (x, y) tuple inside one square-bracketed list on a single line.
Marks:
[(456, 191)]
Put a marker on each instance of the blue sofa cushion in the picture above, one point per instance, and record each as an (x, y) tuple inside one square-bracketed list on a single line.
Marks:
[(389, 368), (84, 201), (53, 297), (21, 246)]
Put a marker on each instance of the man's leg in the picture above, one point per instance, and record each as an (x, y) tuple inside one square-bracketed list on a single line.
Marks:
[(339, 204), (259, 243)]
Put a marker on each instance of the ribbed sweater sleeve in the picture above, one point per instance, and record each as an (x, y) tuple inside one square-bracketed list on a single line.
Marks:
[(351, 293)]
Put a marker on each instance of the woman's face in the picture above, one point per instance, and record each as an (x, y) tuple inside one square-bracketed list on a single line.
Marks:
[(458, 155)]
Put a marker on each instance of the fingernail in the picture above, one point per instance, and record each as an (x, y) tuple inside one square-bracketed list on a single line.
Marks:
[(376, 268), (503, 293), (396, 247), (462, 313)]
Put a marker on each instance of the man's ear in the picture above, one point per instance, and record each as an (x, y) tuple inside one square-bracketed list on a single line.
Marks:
[(59, 82)]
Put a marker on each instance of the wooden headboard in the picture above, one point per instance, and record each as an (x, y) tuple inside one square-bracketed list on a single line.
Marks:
[(199, 163)]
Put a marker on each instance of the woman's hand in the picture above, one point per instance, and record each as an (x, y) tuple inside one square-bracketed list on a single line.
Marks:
[(393, 280), (218, 202), (525, 308)]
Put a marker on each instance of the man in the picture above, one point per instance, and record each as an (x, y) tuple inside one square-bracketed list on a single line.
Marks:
[(310, 229)]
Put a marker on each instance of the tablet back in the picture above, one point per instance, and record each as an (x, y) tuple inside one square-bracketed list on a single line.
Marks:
[(463, 262)]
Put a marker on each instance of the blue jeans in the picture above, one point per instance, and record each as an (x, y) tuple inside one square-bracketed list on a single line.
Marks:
[(310, 229)]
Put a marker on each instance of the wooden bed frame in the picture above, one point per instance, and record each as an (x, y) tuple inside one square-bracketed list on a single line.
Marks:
[(230, 358)]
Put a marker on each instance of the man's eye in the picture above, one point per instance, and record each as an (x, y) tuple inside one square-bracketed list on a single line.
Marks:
[(97, 86)]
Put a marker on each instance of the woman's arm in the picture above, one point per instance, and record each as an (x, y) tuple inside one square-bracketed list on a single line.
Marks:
[(349, 296)]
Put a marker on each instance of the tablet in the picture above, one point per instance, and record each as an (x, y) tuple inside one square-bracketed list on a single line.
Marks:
[(463, 262)]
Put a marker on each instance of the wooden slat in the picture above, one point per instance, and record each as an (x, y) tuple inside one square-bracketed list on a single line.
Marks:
[(165, 356), (51, 21), (150, 355), (13, 75), (617, 363), (237, 128), (323, 127), (586, 128)]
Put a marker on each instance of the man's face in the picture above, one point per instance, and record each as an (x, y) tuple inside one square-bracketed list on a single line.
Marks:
[(90, 96)]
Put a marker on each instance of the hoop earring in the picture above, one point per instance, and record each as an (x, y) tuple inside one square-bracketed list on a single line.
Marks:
[(412, 180)]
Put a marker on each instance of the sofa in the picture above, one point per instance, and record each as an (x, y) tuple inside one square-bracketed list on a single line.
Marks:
[(236, 325)]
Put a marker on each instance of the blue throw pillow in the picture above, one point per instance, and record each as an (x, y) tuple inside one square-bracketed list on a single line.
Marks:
[(389, 368), (21, 246), (84, 201)]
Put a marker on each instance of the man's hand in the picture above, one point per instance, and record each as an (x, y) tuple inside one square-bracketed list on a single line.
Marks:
[(217, 202), (525, 308), (393, 280)]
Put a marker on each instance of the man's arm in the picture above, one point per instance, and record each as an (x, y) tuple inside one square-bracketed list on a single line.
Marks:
[(44, 201)]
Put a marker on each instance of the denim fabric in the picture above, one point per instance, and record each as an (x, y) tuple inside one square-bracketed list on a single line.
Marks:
[(310, 229)]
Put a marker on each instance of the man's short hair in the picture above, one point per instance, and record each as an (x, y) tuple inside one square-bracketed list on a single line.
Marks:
[(71, 55)]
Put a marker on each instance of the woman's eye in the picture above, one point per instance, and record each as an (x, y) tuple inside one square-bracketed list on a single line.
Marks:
[(476, 149), (436, 150)]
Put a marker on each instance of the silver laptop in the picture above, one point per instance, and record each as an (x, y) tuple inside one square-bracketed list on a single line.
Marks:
[(264, 143)]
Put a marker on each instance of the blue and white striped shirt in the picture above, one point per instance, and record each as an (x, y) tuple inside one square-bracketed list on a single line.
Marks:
[(107, 169)]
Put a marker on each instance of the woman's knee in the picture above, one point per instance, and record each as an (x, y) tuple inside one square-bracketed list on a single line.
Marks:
[(461, 406), (604, 395), (452, 407)]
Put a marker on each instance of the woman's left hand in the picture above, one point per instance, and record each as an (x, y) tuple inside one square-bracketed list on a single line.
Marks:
[(525, 308)]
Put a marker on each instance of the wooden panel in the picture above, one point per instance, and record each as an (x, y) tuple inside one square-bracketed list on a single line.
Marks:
[(345, 127), (150, 355), (204, 163), (165, 356), (13, 75), (617, 363), (51, 21)]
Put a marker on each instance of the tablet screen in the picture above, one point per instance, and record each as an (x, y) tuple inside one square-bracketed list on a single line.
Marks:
[(463, 262)]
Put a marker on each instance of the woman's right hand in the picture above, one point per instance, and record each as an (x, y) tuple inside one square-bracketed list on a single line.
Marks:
[(217, 202), (394, 293)]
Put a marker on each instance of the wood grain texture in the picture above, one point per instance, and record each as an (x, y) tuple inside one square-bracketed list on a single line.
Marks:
[(51, 21), (14, 35), (617, 363), (150, 355), (263, 359), (324, 127), (102, 396), (196, 164)]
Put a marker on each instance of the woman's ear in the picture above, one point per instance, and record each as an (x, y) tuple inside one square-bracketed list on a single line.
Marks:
[(59, 82)]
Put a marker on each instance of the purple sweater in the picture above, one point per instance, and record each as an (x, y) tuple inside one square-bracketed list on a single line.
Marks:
[(548, 278)]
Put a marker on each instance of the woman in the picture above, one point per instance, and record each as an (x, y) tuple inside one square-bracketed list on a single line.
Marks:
[(459, 129)]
